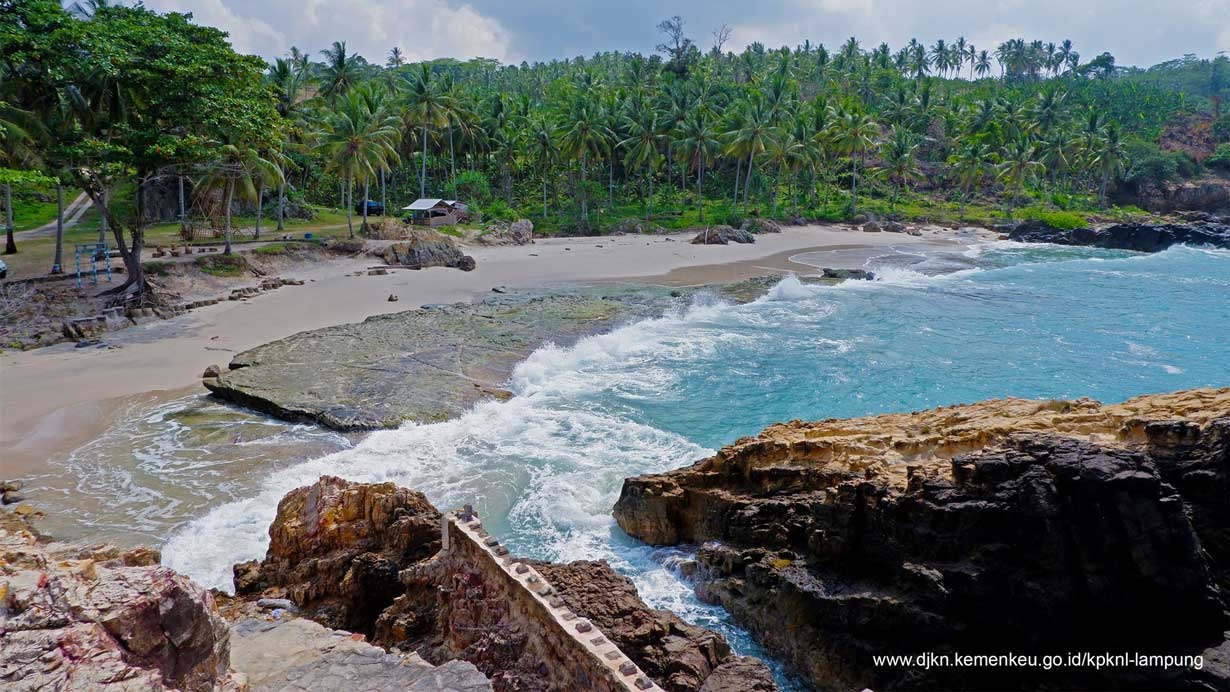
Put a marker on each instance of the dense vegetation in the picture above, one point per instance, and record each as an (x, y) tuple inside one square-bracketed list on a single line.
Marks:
[(112, 100)]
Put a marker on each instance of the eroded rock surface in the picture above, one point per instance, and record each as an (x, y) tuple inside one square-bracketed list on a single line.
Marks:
[(680, 656), (367, 557), (336, 548), (425, 248), (722, 235), (1009, 525), (94, 618), (1126, 236)]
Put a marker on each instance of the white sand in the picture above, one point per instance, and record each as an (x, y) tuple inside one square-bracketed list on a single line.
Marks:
[(57, 396)]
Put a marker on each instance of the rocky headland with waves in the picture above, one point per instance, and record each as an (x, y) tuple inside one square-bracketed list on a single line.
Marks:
[(1207, 231), (1008, 526)]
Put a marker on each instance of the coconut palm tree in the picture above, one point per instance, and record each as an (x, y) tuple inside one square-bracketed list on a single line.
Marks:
[(583, 134), (853, 133), (751, 134), (1111, 160), (699, 143), (342, 71), (900, 154), (982, 65), (1018, 165), (18, 132), (427, 107), (644, 144), (971, 164), (539, 140), (358, 139)]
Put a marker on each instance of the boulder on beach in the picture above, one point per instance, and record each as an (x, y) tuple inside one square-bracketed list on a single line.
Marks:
[(424, 247), (843, 274), (721, 235), (759, 225), (872, 227)]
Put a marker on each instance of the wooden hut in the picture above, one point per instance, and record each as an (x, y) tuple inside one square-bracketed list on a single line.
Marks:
[(437, 212)]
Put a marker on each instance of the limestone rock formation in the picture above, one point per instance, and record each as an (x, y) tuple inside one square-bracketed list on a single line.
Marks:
[(426, 248), (1125, 236), (426, 365), (1010, 525), (722, 235), (681, 657), (336, 548), (94, 618)]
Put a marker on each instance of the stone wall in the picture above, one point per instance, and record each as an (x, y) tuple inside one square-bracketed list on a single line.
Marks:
[(492, 591)]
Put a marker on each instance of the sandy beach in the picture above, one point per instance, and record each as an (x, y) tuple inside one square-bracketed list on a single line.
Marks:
[(52, 399)]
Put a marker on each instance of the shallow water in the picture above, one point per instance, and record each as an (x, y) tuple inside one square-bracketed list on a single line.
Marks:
[(545, 467)]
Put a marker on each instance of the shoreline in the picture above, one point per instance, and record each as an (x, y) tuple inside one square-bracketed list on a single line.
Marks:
[(54, 397)]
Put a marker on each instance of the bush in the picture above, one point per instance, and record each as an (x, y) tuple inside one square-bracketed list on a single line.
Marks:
[(1065, 220), (223, 265), (498, 210), (1221, 128), (1220, 160), (471, 187)]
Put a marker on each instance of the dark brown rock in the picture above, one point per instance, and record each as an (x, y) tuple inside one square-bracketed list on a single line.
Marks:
[(722, 235), (426, 248), (335, 549), (211, 371), (1031, 527)]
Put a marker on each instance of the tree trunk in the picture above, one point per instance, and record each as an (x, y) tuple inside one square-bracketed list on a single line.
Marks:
[(183, 211), (230, 196), (747, 181), (10, 243), (260, 201), (384, 199), (544, 194), (854, 185), (1102, 190), (649, 174), (349, 206), (423, 171), (102, 220), (56, 264), (584, 193), (363, 226), (282, 207), (700, 202), (738, 171), (610, 184), (452, 159)]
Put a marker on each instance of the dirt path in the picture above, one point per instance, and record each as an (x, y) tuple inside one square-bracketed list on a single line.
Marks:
[(72, 214)]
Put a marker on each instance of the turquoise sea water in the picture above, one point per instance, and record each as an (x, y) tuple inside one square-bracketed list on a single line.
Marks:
[(545, 467)]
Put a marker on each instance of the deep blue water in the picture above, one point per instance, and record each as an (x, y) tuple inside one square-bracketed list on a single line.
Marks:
[(545, 467)]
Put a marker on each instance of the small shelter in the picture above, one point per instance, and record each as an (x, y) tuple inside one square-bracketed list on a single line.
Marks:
[(437, 212)]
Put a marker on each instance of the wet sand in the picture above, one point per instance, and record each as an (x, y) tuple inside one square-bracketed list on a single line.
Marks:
[(53, 399)]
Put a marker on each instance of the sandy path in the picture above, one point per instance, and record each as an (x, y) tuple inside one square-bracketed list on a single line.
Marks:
[(55, 396)]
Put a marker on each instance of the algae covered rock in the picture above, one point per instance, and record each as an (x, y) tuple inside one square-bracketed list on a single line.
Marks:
[(722, 235)]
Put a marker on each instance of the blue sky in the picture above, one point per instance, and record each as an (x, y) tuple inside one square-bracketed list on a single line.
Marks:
[(1137, 32)]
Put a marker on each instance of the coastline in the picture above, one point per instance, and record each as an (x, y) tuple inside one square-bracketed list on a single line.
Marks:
[(52, 397)]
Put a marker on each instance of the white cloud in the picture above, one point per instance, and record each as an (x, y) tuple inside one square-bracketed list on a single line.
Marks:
[(423, 29)]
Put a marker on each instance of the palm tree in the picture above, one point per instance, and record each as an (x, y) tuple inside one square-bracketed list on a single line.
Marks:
[(358, 140), (971, 164), (982, 66), (342, 71), (853, 133), (900, 154), (396, 58), (540, 140), (1018, 165), (1111, 160), (698, 143), (644, 142), (940, 57), (751, 135), (427, 108), (18, 131), (584, 134)]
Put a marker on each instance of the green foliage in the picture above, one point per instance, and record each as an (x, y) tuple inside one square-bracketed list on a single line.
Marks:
[(1151, 165), (471, 187), (1065, 220), (223, 265), (1221, 128), (498, 210), (1220, 159)]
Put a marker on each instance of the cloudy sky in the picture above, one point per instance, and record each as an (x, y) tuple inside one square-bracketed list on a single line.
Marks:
[(1137, 32)]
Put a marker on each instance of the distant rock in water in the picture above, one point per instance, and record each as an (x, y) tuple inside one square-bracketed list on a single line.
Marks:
[(427, 248), (844, 274), (1125, 236), (722, 235), (1030, 527)]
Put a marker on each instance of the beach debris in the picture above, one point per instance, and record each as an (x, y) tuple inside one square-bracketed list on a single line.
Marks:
[(212, 371), (393, 298), (379, 271)]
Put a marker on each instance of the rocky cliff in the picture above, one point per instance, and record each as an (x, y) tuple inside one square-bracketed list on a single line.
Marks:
[(368, 557), (1140, 237), (1006, 526)]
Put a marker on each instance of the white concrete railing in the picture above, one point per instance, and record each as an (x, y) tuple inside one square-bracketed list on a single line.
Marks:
[(588, 637)]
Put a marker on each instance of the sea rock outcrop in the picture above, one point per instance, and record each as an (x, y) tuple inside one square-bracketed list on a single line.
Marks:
[(847, 274), (722, 235), (336, 549), (369, 556), (1210, 195), (424, 248), (1007, 526), (680, 656), (1125, 236), (78, 617)]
